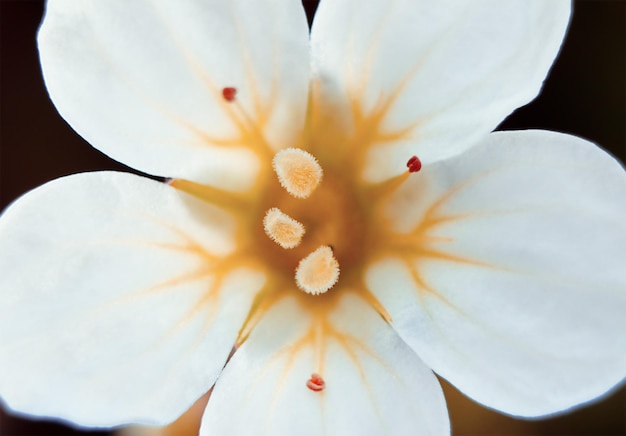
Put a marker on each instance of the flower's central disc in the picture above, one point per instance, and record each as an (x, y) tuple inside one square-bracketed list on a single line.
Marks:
[(313, 223)]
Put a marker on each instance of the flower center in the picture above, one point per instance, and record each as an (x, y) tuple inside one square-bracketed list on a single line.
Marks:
[(313, 225)]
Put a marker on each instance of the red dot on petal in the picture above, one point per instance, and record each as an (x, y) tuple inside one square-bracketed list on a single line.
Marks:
[(229, 93), (414, 164), (316, 383)]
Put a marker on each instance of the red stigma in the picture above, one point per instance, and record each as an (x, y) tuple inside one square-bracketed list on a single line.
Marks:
[(414, 164), (316, 383), (229, 93)]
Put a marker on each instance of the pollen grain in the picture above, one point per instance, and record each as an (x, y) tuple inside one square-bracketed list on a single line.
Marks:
[(318, 272), (298, 171), (282, 229)]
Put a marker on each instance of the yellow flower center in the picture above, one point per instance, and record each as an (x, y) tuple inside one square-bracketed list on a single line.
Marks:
[(326, 209), (312, 222)]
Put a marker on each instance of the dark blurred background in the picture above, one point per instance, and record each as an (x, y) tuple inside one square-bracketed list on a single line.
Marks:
[(585, 95)]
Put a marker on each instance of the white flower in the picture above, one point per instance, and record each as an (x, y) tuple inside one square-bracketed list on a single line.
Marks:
[(499, 264)]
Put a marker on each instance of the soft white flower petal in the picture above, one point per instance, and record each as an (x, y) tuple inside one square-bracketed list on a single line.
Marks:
[(113, 307), (449, 71), (374, 383), (142, 81), (516, 289)]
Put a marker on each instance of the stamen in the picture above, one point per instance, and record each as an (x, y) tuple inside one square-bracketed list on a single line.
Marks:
[(229, 93), (414, 164), (282, 229), (316, 383), (318, 272), (298, 171)]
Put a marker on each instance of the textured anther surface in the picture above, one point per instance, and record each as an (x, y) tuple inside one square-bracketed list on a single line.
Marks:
[(298, 171)]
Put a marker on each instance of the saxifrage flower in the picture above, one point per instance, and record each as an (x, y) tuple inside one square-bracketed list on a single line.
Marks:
[(292, 229)]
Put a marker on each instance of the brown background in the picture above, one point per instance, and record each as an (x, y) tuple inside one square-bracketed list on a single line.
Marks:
[(585, 95)]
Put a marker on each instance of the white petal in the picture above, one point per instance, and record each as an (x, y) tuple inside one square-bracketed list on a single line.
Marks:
[(142, 81), (450, 70), (113, 307), (374, 383), (516, 289)]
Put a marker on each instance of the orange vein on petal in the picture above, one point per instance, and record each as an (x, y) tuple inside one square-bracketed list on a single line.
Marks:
[(211, 266), (250, 130), (344, 341), (257, 143), (264, 111), (372, 48), (318, 335), (189, 241), (368, 126), (445, 197), (211, 295), (378, 192), (205, 137), (350, 141), (371, 299), (415, 242), (278, 387), (267, 297), (292, 350), (418, 244), (441, 255), (249, 137), (313, 336), (245, 56), (167, 285), (209, 298), (231, 201), (319, 331), (422, 286)]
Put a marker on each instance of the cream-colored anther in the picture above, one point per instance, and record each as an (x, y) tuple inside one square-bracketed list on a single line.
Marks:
[(282, 229), (298, 171), (318, 272)]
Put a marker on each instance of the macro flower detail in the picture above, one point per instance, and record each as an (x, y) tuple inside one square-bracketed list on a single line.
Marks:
[(338, 212)]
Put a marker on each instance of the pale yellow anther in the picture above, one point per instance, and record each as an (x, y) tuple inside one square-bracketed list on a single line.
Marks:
[(318, 272), (282, 229), (298, 171)]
